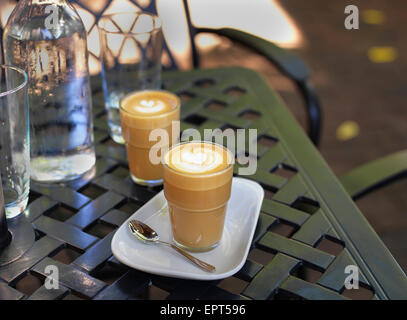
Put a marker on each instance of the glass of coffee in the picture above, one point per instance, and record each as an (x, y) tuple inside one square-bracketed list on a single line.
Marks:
[(141, 113), (197, 185)]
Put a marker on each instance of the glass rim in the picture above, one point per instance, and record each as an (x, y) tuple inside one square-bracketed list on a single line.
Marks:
[(137, 13), (198, 175), (20, 86), (161, 115)]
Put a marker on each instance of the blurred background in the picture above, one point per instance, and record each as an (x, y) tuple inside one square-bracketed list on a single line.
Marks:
[(358, 74)]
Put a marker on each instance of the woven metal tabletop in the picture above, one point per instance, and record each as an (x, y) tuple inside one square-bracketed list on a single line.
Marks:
[(309, 229)]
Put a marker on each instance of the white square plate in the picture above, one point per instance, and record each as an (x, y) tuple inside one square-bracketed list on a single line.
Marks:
[(241, 219)]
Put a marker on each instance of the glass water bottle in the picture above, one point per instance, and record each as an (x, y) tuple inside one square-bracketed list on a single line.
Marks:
[(47, 39)]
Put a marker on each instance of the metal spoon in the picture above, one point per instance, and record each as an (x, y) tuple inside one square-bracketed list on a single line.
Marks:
[(146, 234)]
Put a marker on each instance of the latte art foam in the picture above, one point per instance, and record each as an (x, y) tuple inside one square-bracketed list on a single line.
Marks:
[(149, 103), (198, 158), (150, 106)]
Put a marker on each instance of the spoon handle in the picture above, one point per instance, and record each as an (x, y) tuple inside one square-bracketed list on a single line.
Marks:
[(202, 264)]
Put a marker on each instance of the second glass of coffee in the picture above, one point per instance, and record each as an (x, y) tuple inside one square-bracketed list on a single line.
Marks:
[(150, 124)]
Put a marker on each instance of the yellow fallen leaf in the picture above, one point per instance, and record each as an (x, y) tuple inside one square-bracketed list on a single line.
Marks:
[(347, 130), (373, 16), (382, 54)]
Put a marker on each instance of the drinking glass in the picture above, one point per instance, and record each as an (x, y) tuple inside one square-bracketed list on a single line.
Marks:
[(197, 185), (138, 127), (131, 48), (14, 139)]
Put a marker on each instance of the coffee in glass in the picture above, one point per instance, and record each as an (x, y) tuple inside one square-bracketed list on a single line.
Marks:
[(142, 112), (197, 185)]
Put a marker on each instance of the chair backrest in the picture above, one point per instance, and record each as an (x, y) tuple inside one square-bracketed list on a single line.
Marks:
[(92, 10), (115, 5)]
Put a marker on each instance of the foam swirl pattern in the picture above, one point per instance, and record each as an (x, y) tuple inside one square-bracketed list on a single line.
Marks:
[(198, 158)]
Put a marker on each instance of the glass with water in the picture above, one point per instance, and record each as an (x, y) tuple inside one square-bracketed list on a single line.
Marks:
[(131, 48), (14, 139)]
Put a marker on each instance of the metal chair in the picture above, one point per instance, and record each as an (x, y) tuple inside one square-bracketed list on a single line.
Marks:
[(290, 65), (374, 175)]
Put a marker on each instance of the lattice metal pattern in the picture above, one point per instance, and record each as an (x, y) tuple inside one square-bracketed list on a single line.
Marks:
[(296, 253), (90, 12)]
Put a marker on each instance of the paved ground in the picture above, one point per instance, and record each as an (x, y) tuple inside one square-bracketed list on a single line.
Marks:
[(351, 88)]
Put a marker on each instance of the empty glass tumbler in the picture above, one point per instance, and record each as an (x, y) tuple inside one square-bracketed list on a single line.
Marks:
[(131, 48), (14, 139)]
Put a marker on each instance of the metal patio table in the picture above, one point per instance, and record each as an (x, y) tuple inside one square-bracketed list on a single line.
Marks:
[(309, 228)]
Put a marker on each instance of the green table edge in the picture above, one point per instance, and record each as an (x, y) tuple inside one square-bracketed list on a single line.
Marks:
[(365, 246)]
